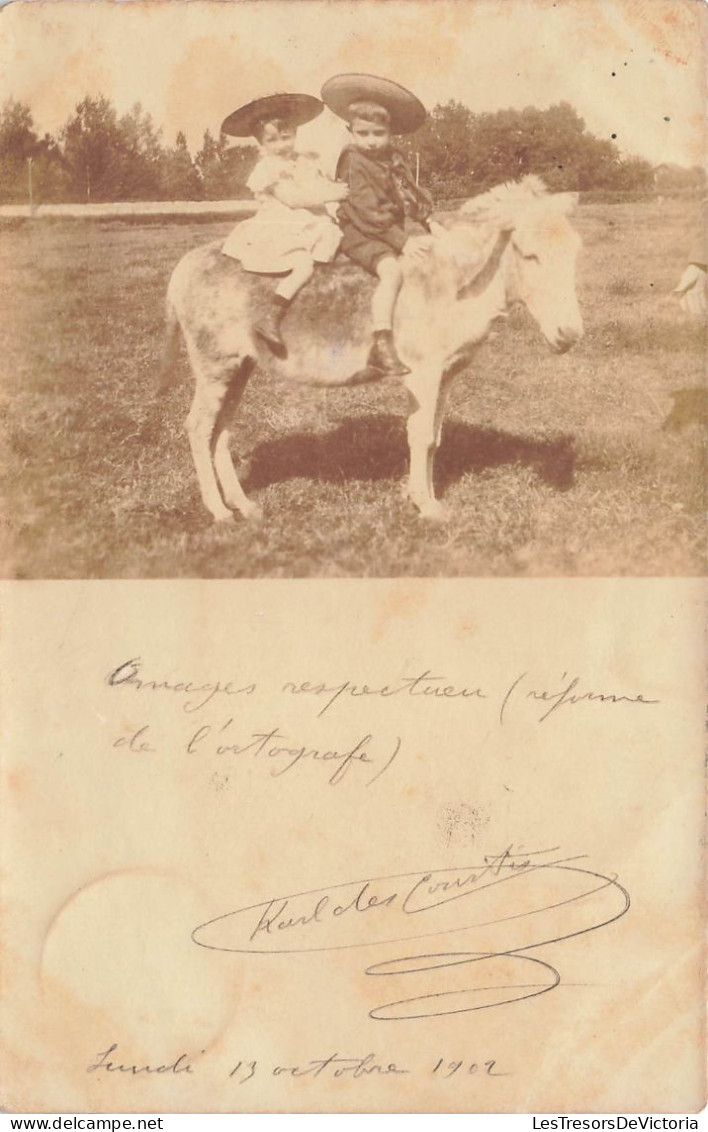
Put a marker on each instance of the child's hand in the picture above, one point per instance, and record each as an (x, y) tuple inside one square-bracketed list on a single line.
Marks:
[(417, 247)]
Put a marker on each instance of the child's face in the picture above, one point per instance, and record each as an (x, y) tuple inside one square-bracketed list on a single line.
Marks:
[(371, 137), (278, 141)]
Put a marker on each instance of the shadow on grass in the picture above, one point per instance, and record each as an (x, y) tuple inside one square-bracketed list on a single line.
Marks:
[(650, 336), (375, 448), (690, 407)]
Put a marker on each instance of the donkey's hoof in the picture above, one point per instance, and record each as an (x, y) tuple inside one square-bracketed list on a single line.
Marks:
[(224, 520), (364, 376), (433, 511), (251, 511)]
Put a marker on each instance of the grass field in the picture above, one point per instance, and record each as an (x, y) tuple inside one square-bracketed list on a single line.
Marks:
[(549, 465)]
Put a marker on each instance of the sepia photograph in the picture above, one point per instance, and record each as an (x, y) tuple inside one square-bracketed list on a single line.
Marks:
[(353, 289), (352, 617)]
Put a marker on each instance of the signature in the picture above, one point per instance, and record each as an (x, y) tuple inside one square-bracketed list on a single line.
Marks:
[(478, 924)]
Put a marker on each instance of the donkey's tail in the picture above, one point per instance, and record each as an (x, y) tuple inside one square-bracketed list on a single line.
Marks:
[(168, 363)]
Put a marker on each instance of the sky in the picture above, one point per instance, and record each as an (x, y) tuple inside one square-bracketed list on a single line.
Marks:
[(634, 69)]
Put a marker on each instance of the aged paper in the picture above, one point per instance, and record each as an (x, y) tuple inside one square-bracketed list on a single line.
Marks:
[(352, 844)]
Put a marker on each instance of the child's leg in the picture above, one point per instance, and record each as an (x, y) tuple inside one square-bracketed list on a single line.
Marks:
[(268, 327), (382, 355), (303, 267), (383, 302)]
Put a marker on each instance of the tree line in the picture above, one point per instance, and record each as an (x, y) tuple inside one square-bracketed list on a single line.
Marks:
[(99, 155), (465, 153)]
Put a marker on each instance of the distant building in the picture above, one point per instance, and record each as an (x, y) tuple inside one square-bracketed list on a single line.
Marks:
[(679, 180)]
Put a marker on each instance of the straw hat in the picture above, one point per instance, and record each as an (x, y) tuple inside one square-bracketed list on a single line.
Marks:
[(294, 108), (407, 112)]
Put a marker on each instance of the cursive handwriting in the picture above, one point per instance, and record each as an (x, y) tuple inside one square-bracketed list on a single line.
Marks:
[(494, 913), (286, 753), (278, 917), (127, 674), (426, 684), (181, 1064), (354, 1067), (275, 919), (334, 1066), (566, 696), (273, 747)]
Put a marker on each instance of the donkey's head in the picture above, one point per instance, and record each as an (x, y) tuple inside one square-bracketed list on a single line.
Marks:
[(540, 260)]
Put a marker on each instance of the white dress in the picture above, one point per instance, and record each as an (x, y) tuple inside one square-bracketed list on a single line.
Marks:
[(265, 242)]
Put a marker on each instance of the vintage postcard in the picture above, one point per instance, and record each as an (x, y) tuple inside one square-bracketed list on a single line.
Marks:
[(352, 649), (353, 847)]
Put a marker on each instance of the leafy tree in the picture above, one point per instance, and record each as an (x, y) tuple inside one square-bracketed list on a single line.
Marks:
[(17, 135), (138, 158), (18, 144), (111, 158), (238, 162), (223, 169), (50, 179), (445, 147), (25, 158), (92, 144), (462, 153), (210, 164), (180, 178)]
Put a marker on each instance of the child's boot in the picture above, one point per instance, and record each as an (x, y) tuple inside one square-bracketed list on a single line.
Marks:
[(268, 326), (383, 356)]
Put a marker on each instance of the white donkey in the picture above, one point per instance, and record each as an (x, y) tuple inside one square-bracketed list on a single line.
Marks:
[(512, 244)]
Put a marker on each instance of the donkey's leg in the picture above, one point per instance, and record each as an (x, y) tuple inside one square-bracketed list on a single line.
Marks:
[(424, 392), (231, 488), (209, 397), (455, 365), (228, 478), (440, 411)]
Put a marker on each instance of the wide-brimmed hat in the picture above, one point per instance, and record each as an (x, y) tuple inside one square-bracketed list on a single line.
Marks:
[(407, 112), (294, 108)]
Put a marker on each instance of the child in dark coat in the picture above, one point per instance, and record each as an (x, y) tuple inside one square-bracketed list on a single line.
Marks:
[(386, 213)]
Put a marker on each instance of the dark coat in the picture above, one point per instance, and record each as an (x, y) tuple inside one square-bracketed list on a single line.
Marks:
[(382, 195)]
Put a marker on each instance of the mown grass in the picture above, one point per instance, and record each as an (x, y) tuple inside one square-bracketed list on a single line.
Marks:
[(548, 465)]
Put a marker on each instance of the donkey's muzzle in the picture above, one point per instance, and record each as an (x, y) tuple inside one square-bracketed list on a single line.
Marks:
[(565, 338)]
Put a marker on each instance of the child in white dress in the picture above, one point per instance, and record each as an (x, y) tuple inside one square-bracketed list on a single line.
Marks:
[(291, 230)]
